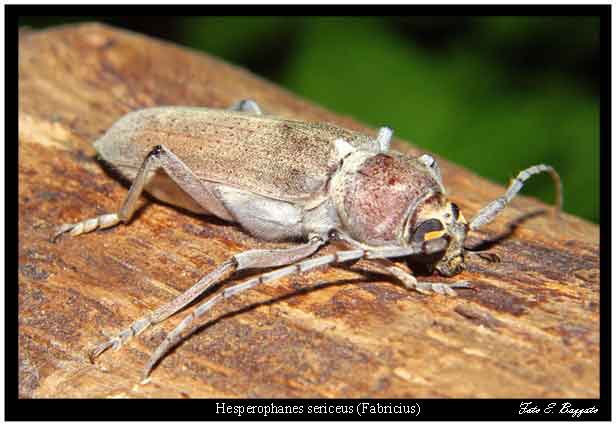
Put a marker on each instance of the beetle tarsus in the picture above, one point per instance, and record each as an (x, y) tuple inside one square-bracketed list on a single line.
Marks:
[(86, 226)]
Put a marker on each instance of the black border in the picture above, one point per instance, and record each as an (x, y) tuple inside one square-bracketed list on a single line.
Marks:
[(308, 10), (433, 409)]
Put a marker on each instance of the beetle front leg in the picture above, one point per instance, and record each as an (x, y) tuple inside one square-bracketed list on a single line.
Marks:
[(427, 287), (388, 268)]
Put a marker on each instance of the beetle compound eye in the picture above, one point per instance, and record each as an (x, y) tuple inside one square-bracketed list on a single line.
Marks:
[(429, 229)]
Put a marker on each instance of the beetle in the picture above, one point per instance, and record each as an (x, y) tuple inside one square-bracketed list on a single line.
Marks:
[(285, 180)]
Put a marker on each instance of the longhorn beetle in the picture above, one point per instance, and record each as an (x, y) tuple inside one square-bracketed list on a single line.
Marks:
[(288, 180)]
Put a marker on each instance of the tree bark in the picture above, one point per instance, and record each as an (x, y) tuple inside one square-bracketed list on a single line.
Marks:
[(529, 329)]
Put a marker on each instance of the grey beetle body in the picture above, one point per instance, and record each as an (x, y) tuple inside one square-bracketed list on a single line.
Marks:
[(279, 179), (268, 174), (287, 180)]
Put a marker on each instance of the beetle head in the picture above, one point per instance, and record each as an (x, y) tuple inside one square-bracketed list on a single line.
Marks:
[(435, 218)]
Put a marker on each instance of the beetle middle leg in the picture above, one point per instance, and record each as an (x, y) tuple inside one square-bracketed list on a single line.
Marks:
[(254, 259), (424, 248)]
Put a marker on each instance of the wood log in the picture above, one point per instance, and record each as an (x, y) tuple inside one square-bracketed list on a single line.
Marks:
[(529, 329)]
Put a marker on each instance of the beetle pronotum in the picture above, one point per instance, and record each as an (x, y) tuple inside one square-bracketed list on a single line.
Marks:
[(288, 180)]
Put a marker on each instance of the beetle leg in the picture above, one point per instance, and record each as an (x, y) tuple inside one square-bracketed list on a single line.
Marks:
[(159, 157), (259, 258), (299, 267), (381, 143), (487, 213), (388, 268), (383, 139), (246, 105), (126, 210), (85, 226), (175, 336), (432, 165), (427, 287), (441, 288)]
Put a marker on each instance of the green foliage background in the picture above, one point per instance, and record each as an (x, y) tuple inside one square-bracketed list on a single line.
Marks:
[(495, 94)]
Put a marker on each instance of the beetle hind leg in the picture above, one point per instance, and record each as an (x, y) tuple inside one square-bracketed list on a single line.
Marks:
[(126, 210), (197, 196), (100, 222)]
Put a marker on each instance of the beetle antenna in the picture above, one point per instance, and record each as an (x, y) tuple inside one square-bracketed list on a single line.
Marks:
[(490, 211)]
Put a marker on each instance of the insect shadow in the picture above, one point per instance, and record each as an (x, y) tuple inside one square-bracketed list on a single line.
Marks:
[(367, 278), (491, 242), (149, 199)]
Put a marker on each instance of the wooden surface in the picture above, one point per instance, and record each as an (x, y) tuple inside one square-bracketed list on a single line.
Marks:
[(531, 329)]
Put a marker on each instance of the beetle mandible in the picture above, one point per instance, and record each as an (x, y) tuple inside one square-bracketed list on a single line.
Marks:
[(287, 180)]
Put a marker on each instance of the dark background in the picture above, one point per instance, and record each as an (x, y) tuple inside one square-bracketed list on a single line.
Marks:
[(495, 94)]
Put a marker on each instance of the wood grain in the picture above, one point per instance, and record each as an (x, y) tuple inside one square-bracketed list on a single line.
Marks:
[(531, 329)]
